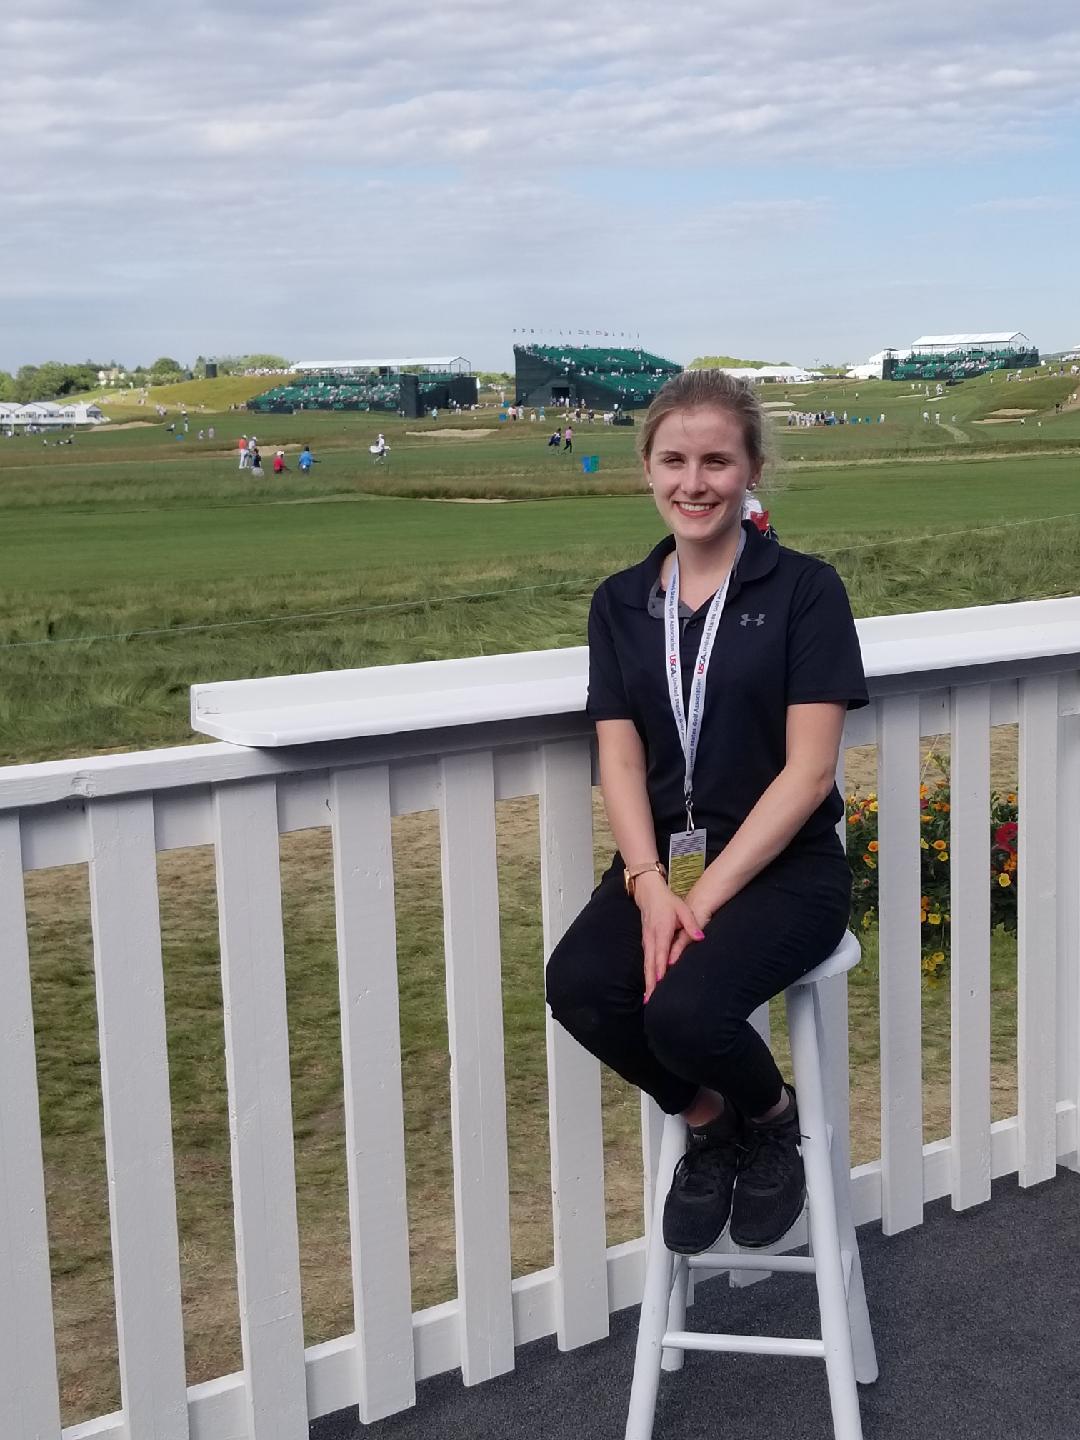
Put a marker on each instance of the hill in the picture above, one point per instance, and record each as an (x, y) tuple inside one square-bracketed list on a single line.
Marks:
[(211, 396), (714, 362)]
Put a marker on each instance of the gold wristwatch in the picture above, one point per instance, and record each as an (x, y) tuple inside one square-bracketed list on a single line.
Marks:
[(629, 876)]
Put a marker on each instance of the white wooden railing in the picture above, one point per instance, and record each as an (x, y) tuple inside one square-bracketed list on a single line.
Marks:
[(351, 751)]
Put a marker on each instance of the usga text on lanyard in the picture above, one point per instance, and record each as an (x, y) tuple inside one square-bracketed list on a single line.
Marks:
[(688, 720)]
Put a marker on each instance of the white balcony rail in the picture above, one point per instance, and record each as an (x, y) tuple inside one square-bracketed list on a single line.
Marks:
[(455, 738)]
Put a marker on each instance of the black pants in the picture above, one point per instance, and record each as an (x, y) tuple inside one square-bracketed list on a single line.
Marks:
[(694, 1031)]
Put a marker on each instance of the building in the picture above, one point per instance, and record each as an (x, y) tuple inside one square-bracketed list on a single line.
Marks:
[(410, 386), (772, 374), (950, 357), (48, 415), (410, 365), (599, 377)]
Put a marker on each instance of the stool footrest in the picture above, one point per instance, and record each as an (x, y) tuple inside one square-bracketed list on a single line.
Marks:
[(744, 1344), (792, 1264)]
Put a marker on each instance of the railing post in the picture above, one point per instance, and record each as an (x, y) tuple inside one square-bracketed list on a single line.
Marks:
[(1037, 928), (29, 1394), (374, 1111), (1068, 946), (900, 955), (130, 990), (260, 1109), (477, 1078), (969, 972), (574, 1114)]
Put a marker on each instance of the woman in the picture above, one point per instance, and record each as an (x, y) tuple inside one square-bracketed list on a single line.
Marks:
[(720, 669)]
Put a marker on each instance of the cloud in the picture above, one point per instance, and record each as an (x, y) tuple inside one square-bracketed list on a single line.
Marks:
[(343, 161), (1023, 204)]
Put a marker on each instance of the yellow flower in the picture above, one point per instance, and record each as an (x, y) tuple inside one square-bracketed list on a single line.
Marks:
[(1010, 799), (943, 855), (872, 807), (873, 847), (934, 918), (924, 902), (939, 845), (926, 817), (945, 807), (866, 921), (924, 790), (938, 957), (1004, 880), (869, 860), (854, 819), (924, 843)]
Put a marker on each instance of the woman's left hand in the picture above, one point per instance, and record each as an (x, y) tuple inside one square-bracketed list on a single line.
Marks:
[(703, 911)]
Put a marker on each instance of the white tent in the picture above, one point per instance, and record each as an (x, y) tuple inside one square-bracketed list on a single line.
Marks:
[(992, 340)]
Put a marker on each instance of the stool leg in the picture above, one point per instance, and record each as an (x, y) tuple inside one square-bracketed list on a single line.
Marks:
[(676, 1315), (659, 1263), (829, 1048), (832, 1299)]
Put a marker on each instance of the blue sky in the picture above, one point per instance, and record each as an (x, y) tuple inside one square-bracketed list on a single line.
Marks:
[(337, 179)]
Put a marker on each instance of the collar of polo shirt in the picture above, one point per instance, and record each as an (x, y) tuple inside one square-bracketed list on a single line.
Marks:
[(758, 559)]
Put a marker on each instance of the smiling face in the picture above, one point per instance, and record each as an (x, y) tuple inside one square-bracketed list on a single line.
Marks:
[(700, 470)]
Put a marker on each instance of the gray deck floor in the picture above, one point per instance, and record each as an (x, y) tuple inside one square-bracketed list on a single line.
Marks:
[(976, 1319)]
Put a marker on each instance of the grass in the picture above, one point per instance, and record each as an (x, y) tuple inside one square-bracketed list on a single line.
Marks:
[(132, 531)]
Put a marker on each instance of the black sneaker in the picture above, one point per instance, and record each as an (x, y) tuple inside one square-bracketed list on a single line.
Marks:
[(699, 1201), (771, 1189)]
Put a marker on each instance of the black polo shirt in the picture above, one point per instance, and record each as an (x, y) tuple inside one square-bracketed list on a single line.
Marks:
[(786, 637)]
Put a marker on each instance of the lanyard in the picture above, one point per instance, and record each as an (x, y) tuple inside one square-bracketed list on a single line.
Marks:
[(688, 719)]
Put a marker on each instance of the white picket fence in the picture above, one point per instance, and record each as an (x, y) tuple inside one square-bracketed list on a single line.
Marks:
[(115, 812)]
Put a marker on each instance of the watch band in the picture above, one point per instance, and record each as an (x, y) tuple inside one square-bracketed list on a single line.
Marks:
[(630, 876)]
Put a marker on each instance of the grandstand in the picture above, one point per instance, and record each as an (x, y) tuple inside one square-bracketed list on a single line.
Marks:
[(951, 357), (408, 386), (602, 378)]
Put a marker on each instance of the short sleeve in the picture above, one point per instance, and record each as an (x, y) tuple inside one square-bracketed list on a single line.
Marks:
[(824, 657), (607, 692)]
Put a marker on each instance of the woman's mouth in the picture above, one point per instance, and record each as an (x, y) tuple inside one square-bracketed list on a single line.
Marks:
[(687, 507)]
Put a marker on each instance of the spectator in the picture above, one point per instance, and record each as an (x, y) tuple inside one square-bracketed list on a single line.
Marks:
[(306, 459)]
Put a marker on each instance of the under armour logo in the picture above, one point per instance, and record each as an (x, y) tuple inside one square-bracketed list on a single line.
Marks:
[(745, 620)]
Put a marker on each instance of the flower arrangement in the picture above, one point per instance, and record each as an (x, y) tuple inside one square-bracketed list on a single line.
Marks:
[(934, 810)]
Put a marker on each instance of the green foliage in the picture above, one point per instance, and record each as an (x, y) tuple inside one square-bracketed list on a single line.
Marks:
[(714, 362), (166, 367), (934, 840), (238, 364), (52, 380)]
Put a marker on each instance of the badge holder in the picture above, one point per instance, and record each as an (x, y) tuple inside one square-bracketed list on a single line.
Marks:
[(686, 857)]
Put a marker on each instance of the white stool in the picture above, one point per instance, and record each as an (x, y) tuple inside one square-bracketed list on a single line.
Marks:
[(847, 1343)]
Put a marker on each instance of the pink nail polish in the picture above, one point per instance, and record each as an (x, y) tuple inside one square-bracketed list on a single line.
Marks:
[(699, 934)]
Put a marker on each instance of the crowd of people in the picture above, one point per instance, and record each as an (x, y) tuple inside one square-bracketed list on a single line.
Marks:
[(808, 419), (247, 448)]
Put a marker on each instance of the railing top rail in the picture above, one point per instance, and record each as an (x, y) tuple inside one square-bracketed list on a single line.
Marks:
[(291, 724), (389, 699)]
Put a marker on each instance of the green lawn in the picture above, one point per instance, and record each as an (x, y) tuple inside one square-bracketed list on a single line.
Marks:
[(130, 531)]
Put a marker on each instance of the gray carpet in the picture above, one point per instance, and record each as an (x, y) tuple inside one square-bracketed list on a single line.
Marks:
[(976, 1319)]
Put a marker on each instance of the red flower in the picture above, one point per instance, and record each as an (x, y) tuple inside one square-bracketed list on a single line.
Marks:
[(1005, 836)]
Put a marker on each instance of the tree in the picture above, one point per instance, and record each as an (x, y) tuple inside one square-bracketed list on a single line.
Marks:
[(165, 365), (7, 386), (264, 362)]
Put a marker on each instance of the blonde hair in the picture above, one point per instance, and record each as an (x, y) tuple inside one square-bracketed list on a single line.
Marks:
[(697, 389)]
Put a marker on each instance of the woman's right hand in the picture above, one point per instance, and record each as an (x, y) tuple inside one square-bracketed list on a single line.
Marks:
[(663, 916)]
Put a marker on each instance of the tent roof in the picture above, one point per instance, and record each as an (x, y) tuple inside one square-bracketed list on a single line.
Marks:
[(996, 337), (396, 363)]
